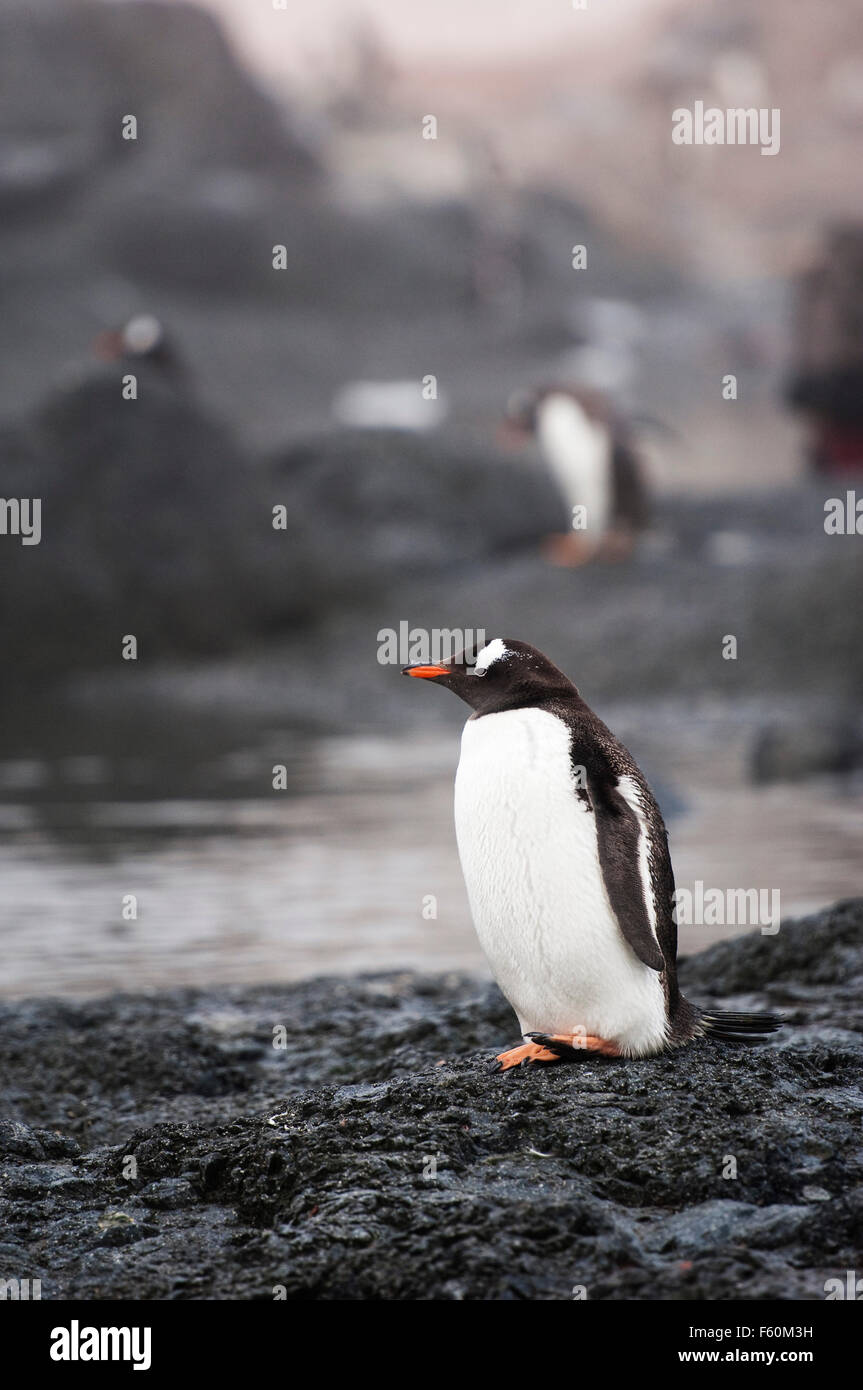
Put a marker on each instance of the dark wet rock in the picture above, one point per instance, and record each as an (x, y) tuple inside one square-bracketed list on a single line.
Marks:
[(157, 522), (168, 1193), (793, 970), (19, 1140), (388, 529), (72, 71), (383, 505), (153, 523), (42, 1179), (377, 1159), (719, 1222), (792, 752), (335, 257), (22, 1141)]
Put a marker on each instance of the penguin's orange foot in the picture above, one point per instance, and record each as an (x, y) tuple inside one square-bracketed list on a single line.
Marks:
[(528, 1052), (568, 1047), (616, 546), (567, 550)]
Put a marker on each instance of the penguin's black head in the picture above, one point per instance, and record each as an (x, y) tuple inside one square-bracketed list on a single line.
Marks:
[(523, 408), (504, 674), (521, 414)]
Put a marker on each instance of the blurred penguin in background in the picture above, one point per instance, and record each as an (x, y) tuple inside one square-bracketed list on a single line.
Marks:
[(143, 343), (594, 464), (825, 375)]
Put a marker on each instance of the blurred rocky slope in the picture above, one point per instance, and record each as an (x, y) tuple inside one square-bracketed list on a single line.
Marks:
[(182, 222), (71, 72), (156, 521), (157, 513)]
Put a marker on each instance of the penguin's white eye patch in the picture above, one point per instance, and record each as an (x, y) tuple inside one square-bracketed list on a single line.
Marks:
[(494, 651), (480, 671)]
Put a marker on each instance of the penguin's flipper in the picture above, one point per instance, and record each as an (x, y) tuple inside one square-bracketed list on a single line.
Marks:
[(618, 834)]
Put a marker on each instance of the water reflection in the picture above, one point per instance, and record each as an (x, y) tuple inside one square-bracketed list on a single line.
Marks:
[(236, 882)]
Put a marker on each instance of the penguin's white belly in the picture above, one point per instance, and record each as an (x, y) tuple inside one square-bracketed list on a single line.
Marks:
[(578, 451), (529, 853)]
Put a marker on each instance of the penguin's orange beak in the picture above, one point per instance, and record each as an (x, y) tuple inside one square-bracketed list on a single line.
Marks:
[(425, 673)]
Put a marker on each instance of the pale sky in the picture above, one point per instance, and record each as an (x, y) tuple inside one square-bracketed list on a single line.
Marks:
[(309, 33)]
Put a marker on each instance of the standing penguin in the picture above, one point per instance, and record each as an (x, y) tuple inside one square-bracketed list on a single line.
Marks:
[(144, 343), (565, 857), (594, 463)]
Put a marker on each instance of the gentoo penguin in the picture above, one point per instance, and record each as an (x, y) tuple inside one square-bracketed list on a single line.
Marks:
[(565, 857), (143, 340), (592, 460)]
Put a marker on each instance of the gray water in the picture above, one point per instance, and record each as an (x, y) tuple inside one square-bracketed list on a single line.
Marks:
[(354, 866)]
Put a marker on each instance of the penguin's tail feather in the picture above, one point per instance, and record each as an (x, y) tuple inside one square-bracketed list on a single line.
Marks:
[(727, 1026)]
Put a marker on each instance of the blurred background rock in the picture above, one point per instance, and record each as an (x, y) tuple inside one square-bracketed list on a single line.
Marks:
[(407, 257)]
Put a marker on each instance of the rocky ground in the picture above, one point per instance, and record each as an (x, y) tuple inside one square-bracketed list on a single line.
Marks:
[(375, 1158)]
